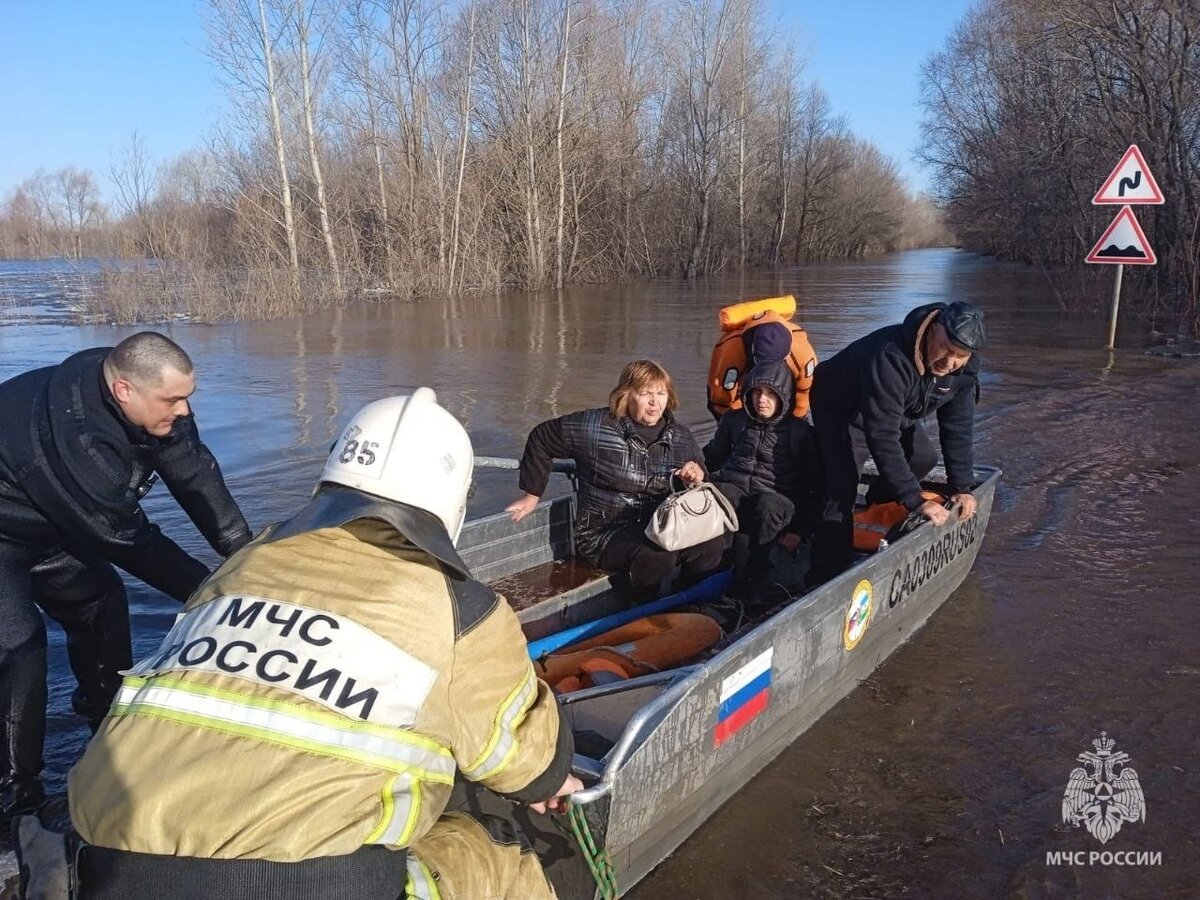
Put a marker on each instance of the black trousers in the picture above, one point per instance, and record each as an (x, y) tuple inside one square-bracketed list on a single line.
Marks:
[(371, 873), (762, 517), (843, 454), (87, 598), (644, 565)]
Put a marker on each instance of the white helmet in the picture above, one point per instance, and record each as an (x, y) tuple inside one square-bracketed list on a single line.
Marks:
[(410, 450)]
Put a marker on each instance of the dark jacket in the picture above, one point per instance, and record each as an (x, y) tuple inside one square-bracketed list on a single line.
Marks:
[(769, 455), (883, 378), (72, 471), (621, 480)]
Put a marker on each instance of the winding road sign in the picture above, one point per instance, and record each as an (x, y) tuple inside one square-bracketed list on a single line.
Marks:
[(1130, 182)]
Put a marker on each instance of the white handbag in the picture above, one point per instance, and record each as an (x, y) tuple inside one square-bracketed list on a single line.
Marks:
[(691, 516)]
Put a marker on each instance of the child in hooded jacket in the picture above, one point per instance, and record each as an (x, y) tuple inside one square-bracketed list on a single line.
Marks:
[(765, 460)]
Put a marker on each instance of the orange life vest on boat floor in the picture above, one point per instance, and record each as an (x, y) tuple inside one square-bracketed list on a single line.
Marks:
[(649, 644), (728, 364), (872, 524)]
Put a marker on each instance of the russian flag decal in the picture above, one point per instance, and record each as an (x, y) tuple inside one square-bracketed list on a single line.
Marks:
[(744, 694)]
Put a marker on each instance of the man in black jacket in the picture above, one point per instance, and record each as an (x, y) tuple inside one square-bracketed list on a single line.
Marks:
[(871, 398), (81, 445)]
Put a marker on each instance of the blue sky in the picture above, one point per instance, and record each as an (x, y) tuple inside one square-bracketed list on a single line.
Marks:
[(77, 77), (867, 55)]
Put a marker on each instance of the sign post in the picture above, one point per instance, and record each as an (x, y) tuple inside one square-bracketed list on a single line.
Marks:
[(1112, 314), (1124, 242)]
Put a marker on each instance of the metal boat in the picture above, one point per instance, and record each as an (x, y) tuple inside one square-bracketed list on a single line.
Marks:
[(660, 753)]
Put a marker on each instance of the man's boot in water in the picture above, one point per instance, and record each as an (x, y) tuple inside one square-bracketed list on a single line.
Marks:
[(25, 797)]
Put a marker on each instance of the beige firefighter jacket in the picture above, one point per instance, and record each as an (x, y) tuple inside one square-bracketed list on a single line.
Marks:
[(317, 695)]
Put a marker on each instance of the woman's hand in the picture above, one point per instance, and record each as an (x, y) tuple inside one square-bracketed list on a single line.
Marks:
[(690, 473), (519, 509)]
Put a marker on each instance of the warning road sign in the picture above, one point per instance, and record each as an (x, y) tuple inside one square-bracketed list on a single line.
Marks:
[(1123, 242), (1130, 182)]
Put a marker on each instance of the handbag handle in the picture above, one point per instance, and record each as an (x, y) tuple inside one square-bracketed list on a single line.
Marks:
[(706, 501)]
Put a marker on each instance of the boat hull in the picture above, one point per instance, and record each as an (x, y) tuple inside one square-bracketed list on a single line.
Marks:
[(670, 749)]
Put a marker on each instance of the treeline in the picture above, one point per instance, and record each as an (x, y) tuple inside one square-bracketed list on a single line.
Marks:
[(1029, 107), (407, 147)]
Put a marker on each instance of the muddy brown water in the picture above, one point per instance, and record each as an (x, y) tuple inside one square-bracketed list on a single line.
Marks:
[(943, 774)]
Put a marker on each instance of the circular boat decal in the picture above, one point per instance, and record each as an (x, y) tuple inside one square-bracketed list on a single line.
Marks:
[(858, 616)]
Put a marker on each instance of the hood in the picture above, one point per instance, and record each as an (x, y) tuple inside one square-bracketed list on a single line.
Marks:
[(71, 389), (778, 378), (334, 505), (767, 342), (912, 331)]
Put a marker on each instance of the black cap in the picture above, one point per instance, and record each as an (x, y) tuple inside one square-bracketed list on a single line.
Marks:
[(964, 325)]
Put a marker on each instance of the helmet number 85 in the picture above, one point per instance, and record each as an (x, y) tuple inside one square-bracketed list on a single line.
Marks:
[(365, 451)]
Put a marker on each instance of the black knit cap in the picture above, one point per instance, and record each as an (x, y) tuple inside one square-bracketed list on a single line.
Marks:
[(964, 325)]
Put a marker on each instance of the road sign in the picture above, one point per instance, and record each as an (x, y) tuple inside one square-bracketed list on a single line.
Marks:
[(1123, 242), (1130, 182)]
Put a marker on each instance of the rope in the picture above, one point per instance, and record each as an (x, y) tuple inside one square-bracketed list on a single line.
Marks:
[(597, 860)]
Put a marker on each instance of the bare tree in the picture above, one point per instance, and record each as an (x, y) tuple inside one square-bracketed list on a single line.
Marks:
[(783, 102), (697, 53), (529, 54), (464, 136), (820, 135), (411, 149), (302, 17), (1031, 99), (745, 88), (359, 57), (80, 204), (132, 174), (413, 37), (242, 42), (564, 55), (27, 219)]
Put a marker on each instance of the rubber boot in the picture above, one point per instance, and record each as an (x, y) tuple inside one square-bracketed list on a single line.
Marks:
[(26, 797)]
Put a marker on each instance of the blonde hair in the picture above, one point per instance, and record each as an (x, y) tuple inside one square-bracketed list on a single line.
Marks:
[(636, 375)]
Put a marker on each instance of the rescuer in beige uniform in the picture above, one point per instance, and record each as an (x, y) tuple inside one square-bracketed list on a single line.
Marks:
[(298, 731)]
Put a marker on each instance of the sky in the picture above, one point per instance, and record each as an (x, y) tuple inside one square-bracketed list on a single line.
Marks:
[(867, 55), (78, 77)]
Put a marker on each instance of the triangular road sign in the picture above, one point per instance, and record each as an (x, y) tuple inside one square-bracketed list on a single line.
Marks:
[(1123, 242), (1130, 182)]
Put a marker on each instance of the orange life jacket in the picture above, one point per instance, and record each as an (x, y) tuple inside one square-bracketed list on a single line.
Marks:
[(728, 365), (872, 524), (649, 644)]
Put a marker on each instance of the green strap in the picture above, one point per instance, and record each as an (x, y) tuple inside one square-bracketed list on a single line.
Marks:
[(597, 860)]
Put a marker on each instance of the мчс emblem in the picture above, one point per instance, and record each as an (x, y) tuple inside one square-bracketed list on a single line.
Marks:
[(1099, 796), (858, 614)]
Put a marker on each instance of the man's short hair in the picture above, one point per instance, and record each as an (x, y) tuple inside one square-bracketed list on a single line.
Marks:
[(142, 357)]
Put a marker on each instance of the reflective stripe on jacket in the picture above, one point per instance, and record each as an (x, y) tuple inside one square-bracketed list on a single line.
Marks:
[(318, 695)]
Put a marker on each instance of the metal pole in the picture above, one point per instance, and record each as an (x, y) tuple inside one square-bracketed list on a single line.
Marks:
[(1116, 303)]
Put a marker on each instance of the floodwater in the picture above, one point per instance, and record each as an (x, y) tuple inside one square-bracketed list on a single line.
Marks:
[(943, 774)]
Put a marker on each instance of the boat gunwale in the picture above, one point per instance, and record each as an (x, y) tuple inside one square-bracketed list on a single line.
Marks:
[(656, 709)]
